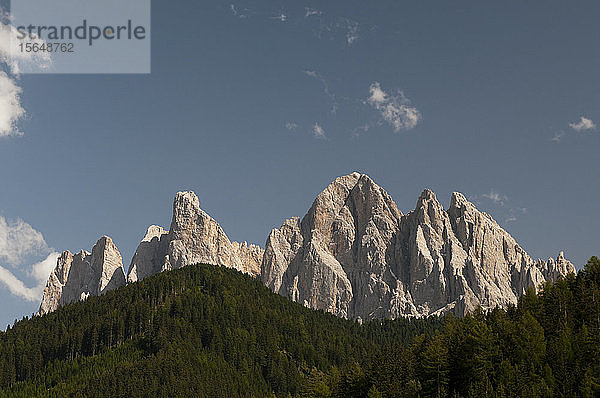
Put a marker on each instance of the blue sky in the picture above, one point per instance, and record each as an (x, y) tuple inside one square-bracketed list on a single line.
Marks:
[(257, 106)]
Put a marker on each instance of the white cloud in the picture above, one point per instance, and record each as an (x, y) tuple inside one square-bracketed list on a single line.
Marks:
[(19, 243), (584, 124), (318, 132), (11, 110), (495, 197), (290, 126), (378, 97), (18, 240), (17, 60), (16, 286), (394, 109), (41, 271)]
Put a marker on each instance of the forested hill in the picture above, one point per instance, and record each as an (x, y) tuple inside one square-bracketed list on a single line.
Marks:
[(193, 331), (212, 331)]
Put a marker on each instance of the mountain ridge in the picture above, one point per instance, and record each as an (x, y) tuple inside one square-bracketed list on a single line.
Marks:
[(356, 255)]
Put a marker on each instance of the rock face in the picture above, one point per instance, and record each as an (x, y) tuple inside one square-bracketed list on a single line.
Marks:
[(250, 257), (194, 237), (149, 258), (356, 255), (84, 274)]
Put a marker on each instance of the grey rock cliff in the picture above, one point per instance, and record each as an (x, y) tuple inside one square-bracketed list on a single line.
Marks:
[(149, 257), (194, 237), (84, 274), (250, 257), (353, 254), (356, 255)]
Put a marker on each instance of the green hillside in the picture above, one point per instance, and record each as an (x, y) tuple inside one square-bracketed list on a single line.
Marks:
[(212, 331)]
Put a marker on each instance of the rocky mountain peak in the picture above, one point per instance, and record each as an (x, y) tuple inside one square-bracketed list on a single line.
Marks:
[(107, 259), (194, 237), (353, 254), (187, 215), (357, 256), (457, 200), (149, 257), (345, 235), (84, 274), (426, 196), (430, 212)]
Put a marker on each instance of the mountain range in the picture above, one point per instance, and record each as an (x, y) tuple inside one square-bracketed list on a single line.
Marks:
[(354, 254)]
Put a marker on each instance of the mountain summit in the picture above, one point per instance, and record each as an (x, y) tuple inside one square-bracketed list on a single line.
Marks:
[(356, 255), (84, 274), (353, 254), (194, 237)]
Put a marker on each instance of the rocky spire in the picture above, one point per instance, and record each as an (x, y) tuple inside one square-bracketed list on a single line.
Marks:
[(84, 274), (194, 238), (149, 257), (337, 258)]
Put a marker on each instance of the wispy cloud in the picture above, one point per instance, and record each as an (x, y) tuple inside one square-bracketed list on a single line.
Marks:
[(316, 75), (338, 27), (557, 137), (238, 12), (322, 25), (19, 240), (19, 243), (318, 132), (360, 130), (513, 214), (281, 16), (39, 271), (311, 12), (394, 109), (352, 28), (495, 197), (290, 126), (584, 124), (502, 209), (16, 287)]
